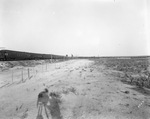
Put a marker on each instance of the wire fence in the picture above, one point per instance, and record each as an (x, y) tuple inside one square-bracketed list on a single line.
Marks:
[(21, 74)]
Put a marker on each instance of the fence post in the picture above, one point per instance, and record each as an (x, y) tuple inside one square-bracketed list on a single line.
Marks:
[(28, 73)]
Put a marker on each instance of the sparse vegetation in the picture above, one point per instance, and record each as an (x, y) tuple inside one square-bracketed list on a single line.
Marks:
[(136, 70)]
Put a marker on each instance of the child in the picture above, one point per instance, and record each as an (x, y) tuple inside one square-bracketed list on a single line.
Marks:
[(43, 99)]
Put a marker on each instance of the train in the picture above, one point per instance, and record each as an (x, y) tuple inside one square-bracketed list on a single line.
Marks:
[(10, 55)]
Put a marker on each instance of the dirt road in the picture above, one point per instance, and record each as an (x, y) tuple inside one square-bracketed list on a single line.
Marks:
[(88, 91)]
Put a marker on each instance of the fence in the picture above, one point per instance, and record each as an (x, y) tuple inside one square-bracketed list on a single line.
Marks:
[(21, 74)]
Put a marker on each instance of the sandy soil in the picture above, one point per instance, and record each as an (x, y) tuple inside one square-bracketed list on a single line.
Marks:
[(88, 91)]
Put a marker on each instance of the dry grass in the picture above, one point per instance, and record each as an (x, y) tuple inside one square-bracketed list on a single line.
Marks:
[(136, 70)]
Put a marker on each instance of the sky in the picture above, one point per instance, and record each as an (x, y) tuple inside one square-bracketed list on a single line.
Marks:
[(78, 27)]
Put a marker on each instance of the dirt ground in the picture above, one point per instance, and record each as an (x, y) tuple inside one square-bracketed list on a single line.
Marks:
[(88, 91)]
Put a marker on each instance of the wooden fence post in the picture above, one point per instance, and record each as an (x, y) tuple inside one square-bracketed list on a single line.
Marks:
[(28, 73)]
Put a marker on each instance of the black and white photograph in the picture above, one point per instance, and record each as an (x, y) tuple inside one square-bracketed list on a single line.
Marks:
[(74, 59)]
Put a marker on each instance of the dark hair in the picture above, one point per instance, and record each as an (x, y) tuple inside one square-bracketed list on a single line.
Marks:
[(46, 90), (40, 95)]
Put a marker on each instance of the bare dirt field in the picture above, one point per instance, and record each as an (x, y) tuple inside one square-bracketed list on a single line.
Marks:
[(89, 89)]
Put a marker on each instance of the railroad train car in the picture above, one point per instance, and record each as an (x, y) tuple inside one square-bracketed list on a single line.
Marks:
[(35, 56), (9, 55), (2, 57)]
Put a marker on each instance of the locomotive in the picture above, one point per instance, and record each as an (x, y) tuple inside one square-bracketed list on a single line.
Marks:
[(9, 55)]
